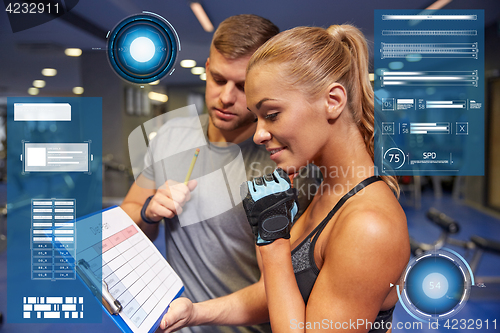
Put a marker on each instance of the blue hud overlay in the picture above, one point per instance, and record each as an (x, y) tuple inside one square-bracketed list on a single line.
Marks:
[(54, 175), (429, 92)]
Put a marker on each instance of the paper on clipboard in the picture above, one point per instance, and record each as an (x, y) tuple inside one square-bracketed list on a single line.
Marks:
[(133, 271)]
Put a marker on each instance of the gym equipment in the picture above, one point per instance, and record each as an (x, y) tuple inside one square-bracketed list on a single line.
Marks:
[(477, 244), (484, 245), (448, 227)]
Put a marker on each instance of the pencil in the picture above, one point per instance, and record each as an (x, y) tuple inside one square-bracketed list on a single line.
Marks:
[(191, 167)]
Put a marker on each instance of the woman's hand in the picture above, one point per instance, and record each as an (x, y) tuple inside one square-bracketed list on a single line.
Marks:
[(270, 204), (180, 314)]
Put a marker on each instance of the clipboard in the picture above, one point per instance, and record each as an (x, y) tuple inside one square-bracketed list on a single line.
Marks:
[(137, 284)]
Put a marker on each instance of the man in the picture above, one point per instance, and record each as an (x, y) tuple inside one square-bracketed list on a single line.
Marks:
[(214, 257)]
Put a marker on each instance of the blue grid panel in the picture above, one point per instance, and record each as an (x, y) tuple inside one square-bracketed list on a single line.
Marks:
[(53, 300), (429, 83)]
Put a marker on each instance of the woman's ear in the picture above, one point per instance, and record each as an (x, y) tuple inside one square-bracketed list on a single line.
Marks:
[(336, 100)]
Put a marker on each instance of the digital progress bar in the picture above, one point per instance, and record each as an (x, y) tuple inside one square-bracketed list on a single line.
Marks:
[(429, 128), (434, 78), (445, 104), (429, 50), (429, 32)]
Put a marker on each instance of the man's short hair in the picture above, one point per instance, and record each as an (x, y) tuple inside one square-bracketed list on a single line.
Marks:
[(240, 35)]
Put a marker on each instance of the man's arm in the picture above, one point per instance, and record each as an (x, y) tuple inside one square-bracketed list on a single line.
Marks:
[(132, 205)]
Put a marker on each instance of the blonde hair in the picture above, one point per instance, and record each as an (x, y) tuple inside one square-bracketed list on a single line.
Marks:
[(316, 57), (240, 35)]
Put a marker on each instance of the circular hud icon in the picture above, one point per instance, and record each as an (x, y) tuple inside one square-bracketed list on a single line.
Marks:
[(143, 48), (436, 285)]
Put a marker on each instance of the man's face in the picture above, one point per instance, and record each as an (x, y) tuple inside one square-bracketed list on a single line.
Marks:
[(225, 93)]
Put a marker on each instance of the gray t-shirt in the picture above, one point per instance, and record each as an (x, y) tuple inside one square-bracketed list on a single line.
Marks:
[(214, 254)]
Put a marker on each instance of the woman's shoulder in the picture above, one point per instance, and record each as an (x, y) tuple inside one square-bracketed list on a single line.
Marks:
[(375, 201)]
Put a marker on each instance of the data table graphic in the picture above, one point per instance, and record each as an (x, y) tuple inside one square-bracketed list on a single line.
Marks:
[(53, 239), (429, 92)]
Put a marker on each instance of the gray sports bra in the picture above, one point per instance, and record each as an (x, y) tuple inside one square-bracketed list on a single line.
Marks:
[(305, 268)]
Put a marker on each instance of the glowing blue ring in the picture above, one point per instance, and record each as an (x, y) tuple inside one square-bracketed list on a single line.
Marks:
[(416, 301), (153, 27)]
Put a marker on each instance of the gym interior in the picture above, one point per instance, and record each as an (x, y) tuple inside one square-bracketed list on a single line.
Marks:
[(457, 212)]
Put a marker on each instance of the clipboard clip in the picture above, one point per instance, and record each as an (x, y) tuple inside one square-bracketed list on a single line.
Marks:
[(108, 301)]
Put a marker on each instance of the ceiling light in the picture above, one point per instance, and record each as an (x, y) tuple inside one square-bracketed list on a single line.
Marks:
[(371, 76), (203, 76), (73, 52), (39, 83), (49, 72), (188, 63), (33, 91), (157, 97), (154, 83), (77, 90), (202, 16), (197, 70), (439, 4), (152, 135)]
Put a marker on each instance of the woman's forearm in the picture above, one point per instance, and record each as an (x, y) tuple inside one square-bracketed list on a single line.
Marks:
[(284, 300), (244, 307)]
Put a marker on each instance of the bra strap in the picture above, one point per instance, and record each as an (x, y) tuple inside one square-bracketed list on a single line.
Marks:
[(340, 203)]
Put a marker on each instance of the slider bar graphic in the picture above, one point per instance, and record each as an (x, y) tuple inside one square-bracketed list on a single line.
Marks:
[(429, 50), (433, 78), (429, 17), (429, 128), (429, 32), (445, 105)]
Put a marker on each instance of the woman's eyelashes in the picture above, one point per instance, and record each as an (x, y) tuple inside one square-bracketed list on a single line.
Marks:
[(271, 116)]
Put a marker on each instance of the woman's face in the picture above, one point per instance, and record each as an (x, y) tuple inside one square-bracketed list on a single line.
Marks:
[(293, 127)]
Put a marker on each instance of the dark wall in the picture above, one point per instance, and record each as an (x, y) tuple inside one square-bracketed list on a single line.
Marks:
[(477, 188)]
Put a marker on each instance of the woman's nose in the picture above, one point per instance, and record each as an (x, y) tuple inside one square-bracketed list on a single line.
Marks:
[(261, 135)]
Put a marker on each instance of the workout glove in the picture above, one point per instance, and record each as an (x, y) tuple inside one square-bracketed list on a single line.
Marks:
[(270, 203)]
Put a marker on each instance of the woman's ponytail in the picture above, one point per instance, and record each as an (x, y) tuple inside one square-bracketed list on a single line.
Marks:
[(358, 81)]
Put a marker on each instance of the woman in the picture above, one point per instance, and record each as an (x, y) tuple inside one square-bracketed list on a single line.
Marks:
[(310, 91)]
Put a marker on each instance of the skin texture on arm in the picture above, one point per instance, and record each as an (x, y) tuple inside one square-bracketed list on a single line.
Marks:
[(244, 307), (284, 300), (365, 252), (247, 306)]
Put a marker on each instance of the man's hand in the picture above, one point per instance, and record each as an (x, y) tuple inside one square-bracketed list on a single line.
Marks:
[(169, 200), (180, 313), (270, 203)]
